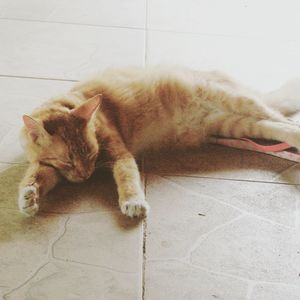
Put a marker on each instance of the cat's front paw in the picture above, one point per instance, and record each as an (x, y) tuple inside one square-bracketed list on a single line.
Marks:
[(28, 200), (135, 208)]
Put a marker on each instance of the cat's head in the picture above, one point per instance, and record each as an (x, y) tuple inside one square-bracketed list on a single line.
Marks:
[(66, 140)]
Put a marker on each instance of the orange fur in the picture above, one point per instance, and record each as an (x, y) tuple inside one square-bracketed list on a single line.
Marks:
[(140, 109)]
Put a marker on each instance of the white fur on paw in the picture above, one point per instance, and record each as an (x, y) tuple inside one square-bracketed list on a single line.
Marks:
[(135, 208), (28, 200)]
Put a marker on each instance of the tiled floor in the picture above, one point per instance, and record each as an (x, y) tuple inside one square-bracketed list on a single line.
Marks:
[(224, 223)]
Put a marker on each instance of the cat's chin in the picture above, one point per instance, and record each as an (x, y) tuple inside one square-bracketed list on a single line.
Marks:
[(77, 180)]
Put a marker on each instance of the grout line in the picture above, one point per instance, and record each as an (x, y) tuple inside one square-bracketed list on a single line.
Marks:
[(62, 231), (226, 179), (73, 23), (223, 274), (297, 212), (14, 163), (68, 261), (204, 236), (230, 36), (256, 38), (241, 210), (144, 245), (144, 259), (39, 78), (28, 279)]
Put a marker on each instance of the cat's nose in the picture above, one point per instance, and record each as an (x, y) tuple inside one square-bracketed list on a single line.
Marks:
[(83, 174)]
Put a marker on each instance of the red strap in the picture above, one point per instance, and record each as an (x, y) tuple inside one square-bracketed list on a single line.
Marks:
[(268, 148)]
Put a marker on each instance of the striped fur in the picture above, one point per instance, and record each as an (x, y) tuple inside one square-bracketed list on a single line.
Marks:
[(140, 109)]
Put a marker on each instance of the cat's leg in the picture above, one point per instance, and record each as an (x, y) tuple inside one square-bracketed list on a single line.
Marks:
[(237, 126), (243, 116), (37, 182), (131, 196)]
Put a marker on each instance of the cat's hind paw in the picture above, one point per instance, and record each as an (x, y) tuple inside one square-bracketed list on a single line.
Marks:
[(28, 200), (135, 208)]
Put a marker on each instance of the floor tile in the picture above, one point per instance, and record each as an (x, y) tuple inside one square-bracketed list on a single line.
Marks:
[(10, 178), (179, 218), (25, 245), (224, 223), (275, 292), (252, 249), (233, 17), (22, 95), (177, 281), (10, 146), (97, 12), (48, 50), (216, 161), (5, 166), (58, 280), (109, 248), (264, 67), (275, 202), (221, 231), (109, 240)]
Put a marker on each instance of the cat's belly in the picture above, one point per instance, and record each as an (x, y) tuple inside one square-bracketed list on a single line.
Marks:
[(191, 127), (183, 130), (153, 137)]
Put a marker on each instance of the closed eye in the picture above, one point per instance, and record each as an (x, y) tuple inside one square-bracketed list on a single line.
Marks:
[(57, 162), (67, 164), (92, 155)]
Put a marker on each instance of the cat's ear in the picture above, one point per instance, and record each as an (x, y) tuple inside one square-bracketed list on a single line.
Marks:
[(85, 111), (34, 127)]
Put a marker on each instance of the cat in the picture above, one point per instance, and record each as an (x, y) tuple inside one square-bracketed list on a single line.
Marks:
[(120, 113)]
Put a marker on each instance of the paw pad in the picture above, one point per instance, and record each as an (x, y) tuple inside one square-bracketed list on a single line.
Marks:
[(28, 199), (135, 208)]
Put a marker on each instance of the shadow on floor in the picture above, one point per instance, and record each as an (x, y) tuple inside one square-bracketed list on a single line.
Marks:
[(99, 193), (217, 162), (96, 195)]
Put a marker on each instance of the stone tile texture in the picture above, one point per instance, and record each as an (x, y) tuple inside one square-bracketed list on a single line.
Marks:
[(224, 223)]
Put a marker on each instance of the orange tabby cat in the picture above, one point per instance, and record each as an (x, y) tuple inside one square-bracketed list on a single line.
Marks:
[(121, 113)]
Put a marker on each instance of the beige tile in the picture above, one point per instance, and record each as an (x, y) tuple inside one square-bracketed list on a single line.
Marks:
[(221, 162), (5, 166), (177, 281), (241, 57), (10, 178), (97, 12), (275, 202), (179, 218), (10, 146), (41, 49), (109, 240), (231, 17), (59, 280), (4, 128), (25, 245), (252, 249), (290, 175), (20, 96), (273, 291)]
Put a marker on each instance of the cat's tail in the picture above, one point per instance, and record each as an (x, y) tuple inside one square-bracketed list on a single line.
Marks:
[(286, 99)]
